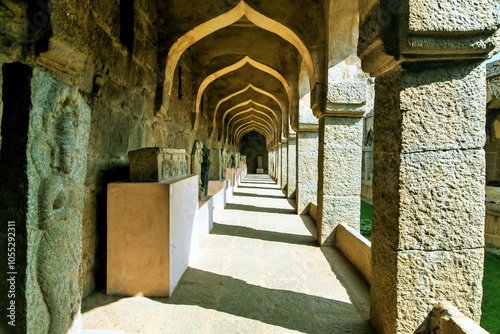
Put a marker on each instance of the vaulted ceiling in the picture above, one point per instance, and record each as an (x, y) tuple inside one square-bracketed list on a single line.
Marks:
[(251, 56)]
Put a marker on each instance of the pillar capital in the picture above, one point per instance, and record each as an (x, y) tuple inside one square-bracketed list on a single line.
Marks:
[(394, 32), (307, 122), (345, 99)]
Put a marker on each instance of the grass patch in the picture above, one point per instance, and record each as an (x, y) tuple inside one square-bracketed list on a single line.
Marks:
[(491, 293), (366, 220)]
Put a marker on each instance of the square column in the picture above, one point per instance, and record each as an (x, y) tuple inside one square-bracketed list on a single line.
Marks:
[(278, 165), (216, 165), (42, 176), (284, 164), (292, 167), (429, 167), (429, 175), (307, 169), (339, 159)]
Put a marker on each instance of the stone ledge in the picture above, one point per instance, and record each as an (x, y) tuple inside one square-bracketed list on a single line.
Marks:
[(356, 248), (447, 319)]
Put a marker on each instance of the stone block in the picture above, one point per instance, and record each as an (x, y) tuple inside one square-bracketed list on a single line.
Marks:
[(342, 131), (307, 169), (341, 170), (410, 283), (292, 167), (434, 109), (346, 98), (453, 16), (449, 182), (345, 210), (151, 229), (156, 164)]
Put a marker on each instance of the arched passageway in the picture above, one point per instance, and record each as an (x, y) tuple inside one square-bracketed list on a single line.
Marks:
[(259, 271)]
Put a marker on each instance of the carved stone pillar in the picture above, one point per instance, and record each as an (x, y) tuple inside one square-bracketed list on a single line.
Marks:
[(216, 166), (46, 127), (284, 164), (307, 160), (428, 184), (292, 165), (339, 160)]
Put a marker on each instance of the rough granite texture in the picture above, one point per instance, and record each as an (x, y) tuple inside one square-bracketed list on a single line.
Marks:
[(307, 170), (284, 165), (292, 167), (155, 164), (464, 16), (429, 193), (339, 181), (57, 159)]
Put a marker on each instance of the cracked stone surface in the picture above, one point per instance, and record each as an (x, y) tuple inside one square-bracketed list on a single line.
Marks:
[(259, 271)]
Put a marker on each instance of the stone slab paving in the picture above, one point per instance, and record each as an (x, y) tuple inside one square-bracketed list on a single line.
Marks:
[(259, 271)]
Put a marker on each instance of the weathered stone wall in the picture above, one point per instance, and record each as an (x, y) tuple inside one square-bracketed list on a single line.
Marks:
[(119, 83), (57, 145)]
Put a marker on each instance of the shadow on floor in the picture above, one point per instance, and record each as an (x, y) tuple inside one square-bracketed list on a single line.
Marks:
[(310, 224), (247, 181), (98, 299), (351, 279), (287, 309), (256, 195), (247, 187), (252, 208), (293, 310), (247, 232)]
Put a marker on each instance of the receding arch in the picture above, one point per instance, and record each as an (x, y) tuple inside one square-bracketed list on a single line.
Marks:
[(239, 133), (246, 60), (250, 86), (252, 123), (222, 21), (244, 132), (241, 105), (261, 120), (226, 129)]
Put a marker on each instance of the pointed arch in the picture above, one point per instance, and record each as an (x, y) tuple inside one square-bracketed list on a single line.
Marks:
[(252, 125), (250, 86), (222, 21), (245, 131), (226, 128), (260, 119), (244, 104), (257, 65)]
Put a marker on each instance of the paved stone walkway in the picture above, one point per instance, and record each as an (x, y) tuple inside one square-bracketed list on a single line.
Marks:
[(259, 271)]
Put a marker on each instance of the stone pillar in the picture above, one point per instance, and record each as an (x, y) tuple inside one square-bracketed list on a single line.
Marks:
[(339, 159), (46, 128), (428, 193), (278, 165), (284, 164), (292, 165), (216, 166), (307, 158), (428, 183), (307, 169)]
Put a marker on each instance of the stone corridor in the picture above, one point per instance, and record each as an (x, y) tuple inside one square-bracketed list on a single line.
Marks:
[(259, 271)]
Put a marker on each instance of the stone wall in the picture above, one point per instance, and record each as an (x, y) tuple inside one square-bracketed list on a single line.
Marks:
[(118, 80)]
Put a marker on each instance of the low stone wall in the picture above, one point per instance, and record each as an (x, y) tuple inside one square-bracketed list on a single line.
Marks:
[(492, 223), (367, 191), (313, 211), (356, 248), (447, 319)]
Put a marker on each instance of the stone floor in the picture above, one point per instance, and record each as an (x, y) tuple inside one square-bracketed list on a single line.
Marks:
[(259, 271)]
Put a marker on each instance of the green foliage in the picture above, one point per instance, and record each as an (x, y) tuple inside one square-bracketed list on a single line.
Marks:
[(366, 220), (491, 293)]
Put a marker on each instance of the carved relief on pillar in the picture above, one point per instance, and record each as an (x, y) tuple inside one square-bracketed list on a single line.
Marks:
[(59, 132), (196, 160)]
